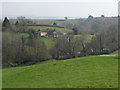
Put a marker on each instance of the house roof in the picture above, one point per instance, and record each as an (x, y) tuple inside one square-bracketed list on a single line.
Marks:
[(47, 30), (43, 30)]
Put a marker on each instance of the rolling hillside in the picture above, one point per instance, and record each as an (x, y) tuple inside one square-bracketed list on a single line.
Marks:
[(49, 42), (85, 72), (63, 30)]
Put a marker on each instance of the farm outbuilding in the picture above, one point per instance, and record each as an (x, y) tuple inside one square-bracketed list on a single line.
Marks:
[(47, 32), (43, 32)]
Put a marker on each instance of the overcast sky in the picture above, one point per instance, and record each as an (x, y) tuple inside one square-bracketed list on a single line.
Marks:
[(60, 9)]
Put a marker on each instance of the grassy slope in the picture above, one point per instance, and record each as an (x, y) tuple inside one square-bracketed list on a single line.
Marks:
[(24, 34), (92, 72), (49, 42), (57, 29), (88, 37), (115, 53), (0, 78)]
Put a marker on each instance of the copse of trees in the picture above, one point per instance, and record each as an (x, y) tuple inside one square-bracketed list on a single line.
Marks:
[(17, 23), (18, 27), (6, 25), (102, 16), (6, 22), (67, 47), (75, 31), (20, 50), (119, 30), (66, 18), (104, 42), (90, 26), (90, 17), (55, 24), (25, 21)]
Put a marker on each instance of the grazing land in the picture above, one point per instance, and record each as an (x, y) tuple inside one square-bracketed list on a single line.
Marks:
[(115, 53), (49, 42), (0, 78), (41, 49), (84, 72), (64, 30)]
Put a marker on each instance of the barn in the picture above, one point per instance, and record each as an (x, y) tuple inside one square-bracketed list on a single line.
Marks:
[(47, 32)]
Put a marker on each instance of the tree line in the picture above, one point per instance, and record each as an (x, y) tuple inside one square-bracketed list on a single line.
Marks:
[(19, 50)]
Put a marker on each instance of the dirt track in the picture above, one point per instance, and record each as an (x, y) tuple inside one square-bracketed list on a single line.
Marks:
[(108, 55)]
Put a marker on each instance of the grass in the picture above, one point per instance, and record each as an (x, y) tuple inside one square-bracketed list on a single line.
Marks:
[(115, 53), (0, 78), (85, 72), (49, 42), (88, 37), (64, 30), (24, 34)]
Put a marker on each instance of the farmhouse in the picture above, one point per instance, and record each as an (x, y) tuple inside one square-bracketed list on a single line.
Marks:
[(43, 32), (47, 32)]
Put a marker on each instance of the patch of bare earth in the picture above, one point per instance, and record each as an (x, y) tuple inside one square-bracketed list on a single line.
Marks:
[(108, 55)]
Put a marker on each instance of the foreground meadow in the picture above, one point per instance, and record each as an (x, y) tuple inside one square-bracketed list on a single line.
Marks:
[(84, 72)]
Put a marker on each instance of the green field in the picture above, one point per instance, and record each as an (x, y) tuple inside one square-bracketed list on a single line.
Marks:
[(0, 78), (84, 72), (49, 42), (115, 53), (87, 39), (64, 30), (24, 34)]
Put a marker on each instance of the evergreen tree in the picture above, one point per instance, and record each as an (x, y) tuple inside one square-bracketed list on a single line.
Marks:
[(55, 23), (17, 23), (75, 31), (6, 23)]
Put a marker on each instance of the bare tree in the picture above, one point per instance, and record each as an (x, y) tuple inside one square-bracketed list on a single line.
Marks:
[(67, 47)]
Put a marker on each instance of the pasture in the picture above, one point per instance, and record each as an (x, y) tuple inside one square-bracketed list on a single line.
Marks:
[(0, 78), (63, 30), (115, 53), (49, 42), (84, 72)]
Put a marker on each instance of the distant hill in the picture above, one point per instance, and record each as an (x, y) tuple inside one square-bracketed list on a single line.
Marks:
[(84, 24), (87, 25)]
